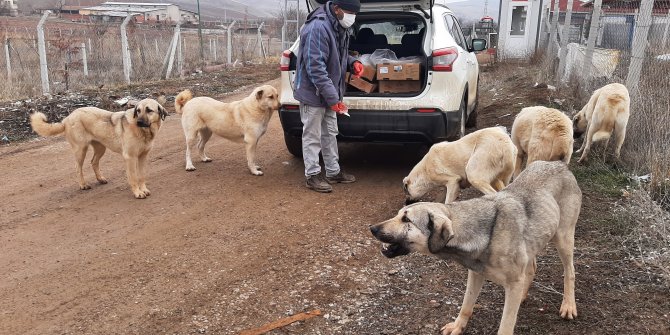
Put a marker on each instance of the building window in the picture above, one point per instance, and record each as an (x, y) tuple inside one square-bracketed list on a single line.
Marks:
[(518, 20)]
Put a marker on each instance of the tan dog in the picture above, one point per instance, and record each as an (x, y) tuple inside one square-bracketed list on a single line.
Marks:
[(496, 237), (245, 121), (606, 112), (483, 159), (541, 134), (130, 133)]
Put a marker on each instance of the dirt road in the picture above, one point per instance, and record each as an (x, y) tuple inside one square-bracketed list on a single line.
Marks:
[(218, 250)]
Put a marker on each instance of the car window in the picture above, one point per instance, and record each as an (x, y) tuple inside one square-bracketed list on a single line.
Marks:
[(393, 30), (455, 31)]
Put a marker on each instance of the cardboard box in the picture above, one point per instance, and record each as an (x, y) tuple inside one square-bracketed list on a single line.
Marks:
[(361, 83), (369, 72), (399, 86), (408, 71)]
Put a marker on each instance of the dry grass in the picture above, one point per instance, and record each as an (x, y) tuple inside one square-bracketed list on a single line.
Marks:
[(648, 245)]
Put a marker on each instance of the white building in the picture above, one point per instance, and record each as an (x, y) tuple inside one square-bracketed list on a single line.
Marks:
[(9, 7), (519, 28), (143, 11)]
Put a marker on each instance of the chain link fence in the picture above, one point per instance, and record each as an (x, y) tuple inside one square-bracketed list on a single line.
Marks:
[(628, 42), (90, 55)]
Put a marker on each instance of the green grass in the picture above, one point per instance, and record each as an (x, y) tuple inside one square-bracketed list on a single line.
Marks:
[(600, 178)]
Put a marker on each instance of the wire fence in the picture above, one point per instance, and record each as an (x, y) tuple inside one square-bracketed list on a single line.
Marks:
[(601, 42), (84, 55)]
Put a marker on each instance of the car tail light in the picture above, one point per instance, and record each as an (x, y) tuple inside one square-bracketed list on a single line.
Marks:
[(285, 60), (425, 110), (443, 59), (290, 107)]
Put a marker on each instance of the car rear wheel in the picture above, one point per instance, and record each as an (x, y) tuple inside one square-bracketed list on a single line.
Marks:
[(293, 144)]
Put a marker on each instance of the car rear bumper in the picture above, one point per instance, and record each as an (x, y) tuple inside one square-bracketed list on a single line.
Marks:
[(399, 126)]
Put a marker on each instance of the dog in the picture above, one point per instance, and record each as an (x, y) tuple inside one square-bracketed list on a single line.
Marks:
[(483, 159), (245, 121), (606, 112), (496, 237), (130, 133), (542, 134)]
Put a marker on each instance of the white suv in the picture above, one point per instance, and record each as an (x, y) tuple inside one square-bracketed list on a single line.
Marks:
[(449, 75)]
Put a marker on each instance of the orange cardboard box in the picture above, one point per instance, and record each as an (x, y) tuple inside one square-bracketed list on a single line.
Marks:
[(408, 71), (399, 86), (369, 72), (361, 83)]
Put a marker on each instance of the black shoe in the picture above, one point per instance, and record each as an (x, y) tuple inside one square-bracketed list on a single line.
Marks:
[(341, 177), (318, 183)]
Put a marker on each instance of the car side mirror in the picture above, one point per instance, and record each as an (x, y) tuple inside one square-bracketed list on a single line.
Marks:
[(478, 44)]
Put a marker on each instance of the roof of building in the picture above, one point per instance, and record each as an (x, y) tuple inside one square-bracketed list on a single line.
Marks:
[(124, 10), (113, 3)]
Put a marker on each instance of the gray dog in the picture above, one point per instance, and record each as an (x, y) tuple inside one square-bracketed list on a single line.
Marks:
[(496, 237)]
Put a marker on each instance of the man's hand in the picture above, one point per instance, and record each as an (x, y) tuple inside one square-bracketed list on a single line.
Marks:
[(358, 69), (340, 108)]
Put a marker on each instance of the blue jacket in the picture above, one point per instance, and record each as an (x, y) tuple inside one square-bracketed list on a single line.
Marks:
[(323, 59)]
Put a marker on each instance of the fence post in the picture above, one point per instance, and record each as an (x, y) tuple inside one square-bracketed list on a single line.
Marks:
[(84, 58), (261, 52), (173, 49), (230, 42), (216, 48), (642, 25), (44, 71), (552, 33), (564, 41), (591, 44), (665, 33), (127, 65), (9, 63), (180, 56)]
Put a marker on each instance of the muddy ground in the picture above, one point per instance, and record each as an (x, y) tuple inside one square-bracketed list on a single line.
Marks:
[(217, 251)]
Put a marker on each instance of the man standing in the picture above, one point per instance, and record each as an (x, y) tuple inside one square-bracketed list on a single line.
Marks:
[(319, 87)]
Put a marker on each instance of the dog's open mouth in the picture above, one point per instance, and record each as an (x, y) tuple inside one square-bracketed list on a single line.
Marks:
[(394, 250)]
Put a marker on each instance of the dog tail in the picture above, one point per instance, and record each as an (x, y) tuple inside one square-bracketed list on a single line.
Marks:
[(615, 98), (40, 125), (602, 134), (181, 100)]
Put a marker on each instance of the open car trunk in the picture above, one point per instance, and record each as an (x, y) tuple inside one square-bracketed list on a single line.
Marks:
[(391, 46)]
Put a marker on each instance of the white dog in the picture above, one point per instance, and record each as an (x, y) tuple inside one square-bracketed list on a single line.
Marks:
[(483, 159), (606, 112), (542, 134), (245, 121)]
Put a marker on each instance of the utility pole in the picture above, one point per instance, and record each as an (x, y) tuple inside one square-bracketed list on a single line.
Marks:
[(202, 50)]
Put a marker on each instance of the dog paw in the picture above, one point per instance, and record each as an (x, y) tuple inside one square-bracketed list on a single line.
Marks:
[(206, 160), (102, 180), (257, 173), (190, 168), (568, 310), (84, 187), (452, 328), (146, 191), (140, 195)]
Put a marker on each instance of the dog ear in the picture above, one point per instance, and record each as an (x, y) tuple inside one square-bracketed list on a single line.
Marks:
[(441, 232), (136, 111), (162, 112), (259, 94)]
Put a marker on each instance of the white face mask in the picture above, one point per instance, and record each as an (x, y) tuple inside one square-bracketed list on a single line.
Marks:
[(348, 20)]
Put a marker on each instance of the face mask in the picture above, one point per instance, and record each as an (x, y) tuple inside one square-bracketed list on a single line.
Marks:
[(348, 20)]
